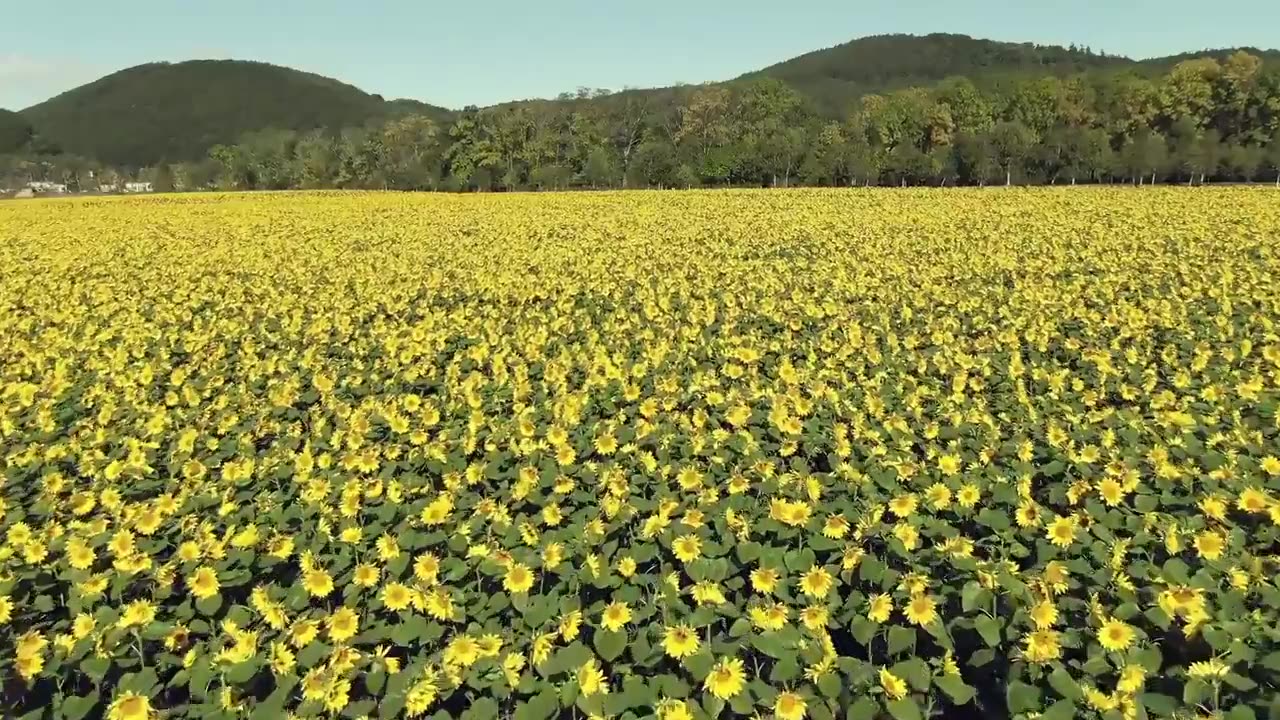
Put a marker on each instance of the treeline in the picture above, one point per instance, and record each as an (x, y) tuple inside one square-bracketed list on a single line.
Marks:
[(1205, 120)]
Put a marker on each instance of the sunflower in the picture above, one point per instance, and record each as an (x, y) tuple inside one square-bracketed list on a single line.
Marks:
[(968, 495), (518, 578), (343, 625), (1044, 614), (130, 706), (203, 583), (903, 505), (615, 616), (396, 596), (769, 617), (879, 607), (726, 679), (1253, 500), (949, 464), (921, 610), (462, 651), (672, 709), (816, 582), (764, 580), (687, 548), (317, 582), (1043, 646), (1210, 544), (591, 681), (680, 641), (893, 685), (1115, 635), (1061, 532), (789, 706)]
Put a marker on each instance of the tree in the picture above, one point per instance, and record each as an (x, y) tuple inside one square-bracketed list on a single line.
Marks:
[(410, 145), (970, 110), (1273, 157), (656, 164), (160, 177), (1243, 161), (974, 158), (1147, 152), (15, 132), (600, 169), (1011, 144)]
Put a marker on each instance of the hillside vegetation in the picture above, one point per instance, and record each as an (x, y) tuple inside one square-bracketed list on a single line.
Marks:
[(175, 112), (938, 109)]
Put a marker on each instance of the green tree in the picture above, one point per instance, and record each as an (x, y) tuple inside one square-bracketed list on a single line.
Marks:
[(1011, 143)]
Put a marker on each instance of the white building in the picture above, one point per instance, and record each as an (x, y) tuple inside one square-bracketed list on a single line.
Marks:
[(136, 187), (45, 186)]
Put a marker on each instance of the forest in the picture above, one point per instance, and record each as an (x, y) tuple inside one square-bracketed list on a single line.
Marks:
[(1205, 119)]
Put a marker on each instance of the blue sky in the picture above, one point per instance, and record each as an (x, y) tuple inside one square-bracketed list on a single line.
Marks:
[(488, 51)]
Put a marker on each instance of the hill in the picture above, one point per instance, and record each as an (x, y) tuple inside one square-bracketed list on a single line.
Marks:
[(177, 111), (838, 75)]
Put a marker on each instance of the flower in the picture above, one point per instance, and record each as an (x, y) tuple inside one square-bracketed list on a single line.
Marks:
[(789, 706), (726, 679), (1209, 544), (1061, 532), (396, 596), (893, 685), (317, 582), (1115, 635), (687, 548), (921, 610), (680, 641), (591, 680), (879, 607), (764, 580), (203, 583), (1043, 646), (1213, 669), (615, 616), (343, 625), (671, 709), (816, 582), (129, 706), (518, 579)]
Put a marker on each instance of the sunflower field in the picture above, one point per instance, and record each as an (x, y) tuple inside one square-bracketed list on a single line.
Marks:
[(777, 454)]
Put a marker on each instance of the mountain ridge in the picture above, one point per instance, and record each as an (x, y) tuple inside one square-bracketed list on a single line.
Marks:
[(148, 113)]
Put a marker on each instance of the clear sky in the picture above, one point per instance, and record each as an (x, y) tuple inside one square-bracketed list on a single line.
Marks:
[(486, 51)]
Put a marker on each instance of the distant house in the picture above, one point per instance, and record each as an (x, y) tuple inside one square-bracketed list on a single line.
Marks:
[(106, 188), (47, 187), (136, 187)]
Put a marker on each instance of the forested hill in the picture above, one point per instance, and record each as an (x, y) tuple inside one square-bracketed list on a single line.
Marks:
[(900, 109), (837, 76), (177, 111)]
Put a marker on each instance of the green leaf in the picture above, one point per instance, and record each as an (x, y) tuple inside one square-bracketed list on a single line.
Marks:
[(209, 606), (1241, 712), (771, 644), (904, 709), (864, 707), (989, 628), (1240, 682), (785, 669), (609, 643), (75, 707), (700, 663), (955, 688), (1161, 705), (1022, 697), (1061, 710), (1064, 684), (543, 706), (900, 639), (829, 685), (863, 630)]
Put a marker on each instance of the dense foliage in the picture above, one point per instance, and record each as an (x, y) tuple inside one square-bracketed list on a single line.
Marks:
[(684, 455), (936, 110), (176, 112)]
